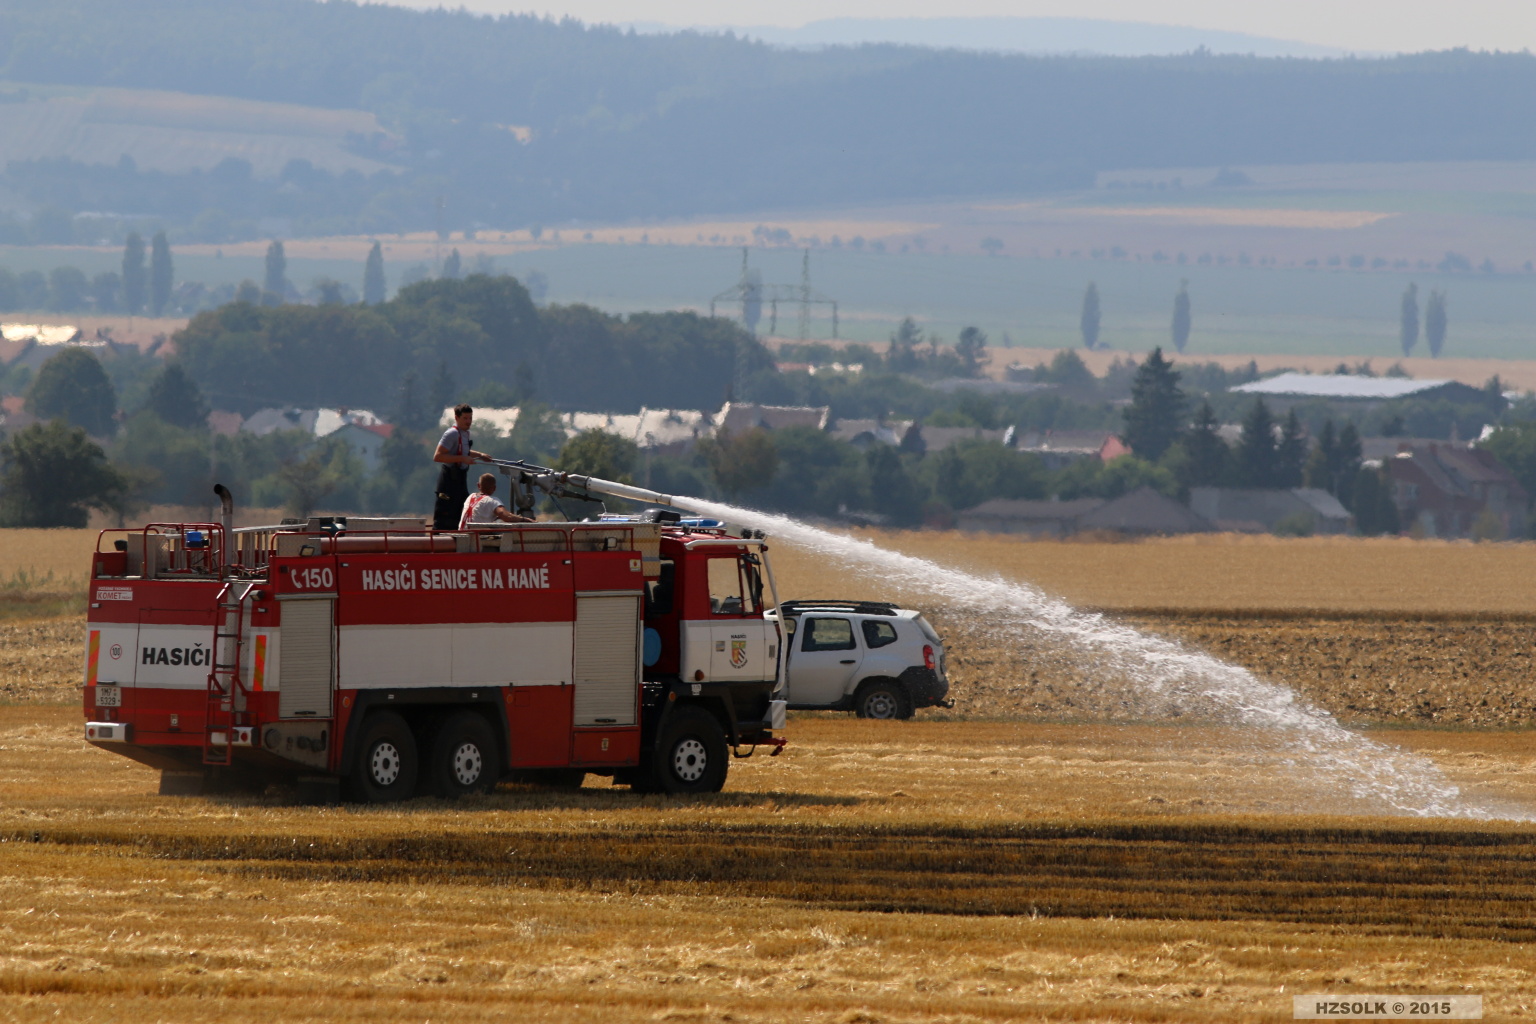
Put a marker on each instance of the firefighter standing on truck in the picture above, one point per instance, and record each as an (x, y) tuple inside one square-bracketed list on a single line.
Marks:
[(456, 453)]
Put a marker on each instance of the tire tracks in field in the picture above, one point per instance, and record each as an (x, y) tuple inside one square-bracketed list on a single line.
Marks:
[(1438, 882)]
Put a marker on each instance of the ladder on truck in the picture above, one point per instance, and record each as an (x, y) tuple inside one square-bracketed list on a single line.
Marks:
[(226, 690)]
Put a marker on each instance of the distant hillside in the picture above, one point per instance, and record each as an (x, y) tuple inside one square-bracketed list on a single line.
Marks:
[(177, 132), (516, 120), (1028, 35)]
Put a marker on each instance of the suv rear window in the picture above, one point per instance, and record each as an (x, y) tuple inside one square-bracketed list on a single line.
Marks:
[(878, 634)]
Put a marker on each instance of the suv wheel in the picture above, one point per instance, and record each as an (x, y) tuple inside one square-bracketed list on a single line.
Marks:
[(882, 699)]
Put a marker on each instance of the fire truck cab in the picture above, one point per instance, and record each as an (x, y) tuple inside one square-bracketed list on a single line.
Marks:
[(387, 660)]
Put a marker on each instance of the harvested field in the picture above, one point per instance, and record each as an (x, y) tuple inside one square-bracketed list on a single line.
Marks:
[(877, 871), (41, 659), (1054, 848), (1214, 572)]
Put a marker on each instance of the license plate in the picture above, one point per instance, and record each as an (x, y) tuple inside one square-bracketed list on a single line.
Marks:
[(109, 696)]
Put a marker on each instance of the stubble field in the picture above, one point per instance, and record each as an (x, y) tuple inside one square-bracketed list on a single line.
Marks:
[(1048, 850)]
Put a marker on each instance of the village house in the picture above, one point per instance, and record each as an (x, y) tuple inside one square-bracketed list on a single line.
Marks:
[(1448, 490)]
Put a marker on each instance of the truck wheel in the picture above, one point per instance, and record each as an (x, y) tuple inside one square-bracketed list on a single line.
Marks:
[(882, 699), (464, 759), (385, 768), (690, 755)]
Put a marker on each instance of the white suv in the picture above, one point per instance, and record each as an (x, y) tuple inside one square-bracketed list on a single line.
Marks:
[(869, 657)]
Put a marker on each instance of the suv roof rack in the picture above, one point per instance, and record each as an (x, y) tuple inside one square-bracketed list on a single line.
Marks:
[(856, 607)]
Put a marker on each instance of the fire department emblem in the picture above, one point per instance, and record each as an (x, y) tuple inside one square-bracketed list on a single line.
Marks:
[(738, 654)]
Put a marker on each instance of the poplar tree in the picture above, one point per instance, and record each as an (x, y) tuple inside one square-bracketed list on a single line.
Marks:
[(373, 276), (1409, 326), (277, 274), (1090, 318), (1434, 322), (134, 279), (161, 274), (1181, 321)]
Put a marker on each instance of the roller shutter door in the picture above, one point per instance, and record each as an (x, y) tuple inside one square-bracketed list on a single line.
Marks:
[(308, 666), (607, 659)]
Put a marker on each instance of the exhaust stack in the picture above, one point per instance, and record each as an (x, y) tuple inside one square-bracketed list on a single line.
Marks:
[(227, 518)]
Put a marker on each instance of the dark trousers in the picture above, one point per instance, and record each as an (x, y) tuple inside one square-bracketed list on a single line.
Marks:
[(452, 492)]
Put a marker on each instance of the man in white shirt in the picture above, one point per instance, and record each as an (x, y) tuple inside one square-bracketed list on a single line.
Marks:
[(483, 506)]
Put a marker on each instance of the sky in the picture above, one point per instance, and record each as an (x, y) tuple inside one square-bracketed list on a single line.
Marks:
[(1360, 25)]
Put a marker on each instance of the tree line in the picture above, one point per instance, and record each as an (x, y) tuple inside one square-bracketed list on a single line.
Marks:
[(629, 125)]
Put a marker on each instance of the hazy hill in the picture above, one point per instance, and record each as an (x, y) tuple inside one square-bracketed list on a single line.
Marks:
[(1028, 35), (518, 120)]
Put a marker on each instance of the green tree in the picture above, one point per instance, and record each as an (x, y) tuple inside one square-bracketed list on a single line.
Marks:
[(1514, 445), (893, 491), (1257, 457), (1347, 456), (412, 410), (164, 463), (1156, 413), (306, 482), (1181, 320), (1375, 512), (601, 454), (1089, 322), (33, 287), (73, 386), (538, 434), (743, 463), (161, 274), (1408, 321), (175, 398), (52, 474), (10, 291), (972, 350), (106, 287), (275, 287), (1290, 453), (453, 266), (135, 280), (1334, 461), (901, 356), (373, 276), (444, 387), (1434, 323), (67, 288), (1208, 459)]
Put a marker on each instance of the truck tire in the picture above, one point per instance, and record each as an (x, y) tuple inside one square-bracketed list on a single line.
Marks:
[(384, 769), (882, 698), (464, 758), (690, 755)]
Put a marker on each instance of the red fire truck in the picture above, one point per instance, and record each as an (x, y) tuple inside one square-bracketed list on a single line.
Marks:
[(384, 659)]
